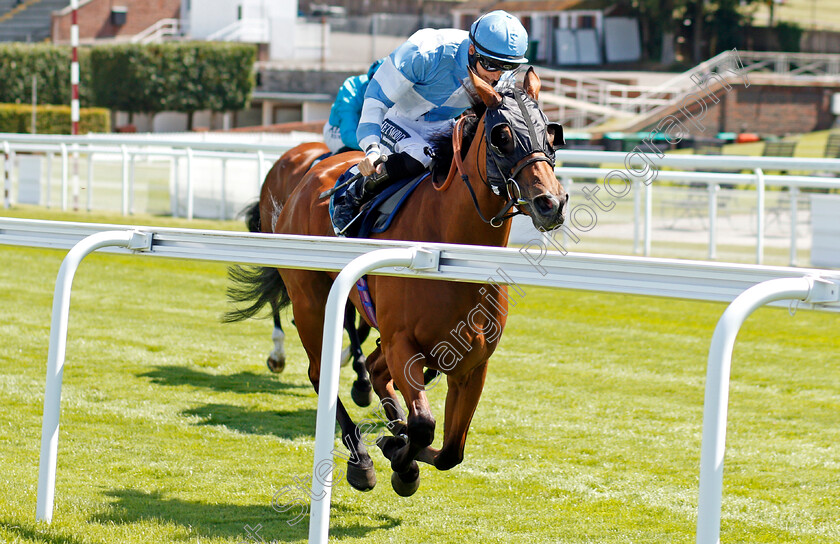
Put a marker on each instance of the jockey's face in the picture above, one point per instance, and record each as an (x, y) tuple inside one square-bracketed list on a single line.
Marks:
[(490, 77)]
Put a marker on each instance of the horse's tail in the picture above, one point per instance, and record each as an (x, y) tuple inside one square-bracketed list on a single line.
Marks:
[(256, 286), (251, 213)]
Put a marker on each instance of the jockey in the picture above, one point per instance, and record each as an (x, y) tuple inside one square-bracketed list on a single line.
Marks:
[(340, 130), (419, 91)]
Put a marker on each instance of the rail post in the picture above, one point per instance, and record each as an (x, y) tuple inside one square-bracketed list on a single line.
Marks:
[(65, 162), (124, 153), (190, 187), (794, 224), (759, 236), (55, 356), (89, 195), (415, 258), (808, 289), (713, 200)]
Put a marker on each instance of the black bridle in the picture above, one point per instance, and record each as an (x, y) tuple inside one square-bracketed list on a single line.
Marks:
[(529, 148)]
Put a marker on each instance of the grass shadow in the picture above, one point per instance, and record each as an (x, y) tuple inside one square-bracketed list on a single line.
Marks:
[(241, 382), (246, 523), (282, 424), (37, 533)]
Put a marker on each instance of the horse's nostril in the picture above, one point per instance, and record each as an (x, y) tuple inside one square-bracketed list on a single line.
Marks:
[(544, 204)]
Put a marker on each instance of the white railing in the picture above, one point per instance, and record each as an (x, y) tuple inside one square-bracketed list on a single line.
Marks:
[(749, 287), (165, 28), (795, 65), (643, 218), (186, 149), (622, 99), (243, 30)]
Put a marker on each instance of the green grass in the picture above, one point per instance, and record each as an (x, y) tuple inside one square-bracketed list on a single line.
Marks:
[(588, 430), (809, 14)]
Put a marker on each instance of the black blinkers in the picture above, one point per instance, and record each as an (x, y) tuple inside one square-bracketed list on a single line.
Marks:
[(529, 128)]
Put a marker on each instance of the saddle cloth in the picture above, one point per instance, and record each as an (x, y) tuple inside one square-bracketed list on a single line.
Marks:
[(378, 214)]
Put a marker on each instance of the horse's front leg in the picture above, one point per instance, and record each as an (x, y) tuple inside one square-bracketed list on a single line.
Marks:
[(405, 366), (461, 402), (380, 378)]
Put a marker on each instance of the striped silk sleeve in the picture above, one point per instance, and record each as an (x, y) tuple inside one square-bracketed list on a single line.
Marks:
[(393, 80)]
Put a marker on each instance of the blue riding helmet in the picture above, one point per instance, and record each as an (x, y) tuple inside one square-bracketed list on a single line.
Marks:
[(500, 36)]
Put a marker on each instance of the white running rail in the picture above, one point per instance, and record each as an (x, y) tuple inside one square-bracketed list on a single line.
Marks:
[(531, 265)]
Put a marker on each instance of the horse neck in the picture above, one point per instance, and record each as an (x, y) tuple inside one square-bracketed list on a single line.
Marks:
[(463, 223)]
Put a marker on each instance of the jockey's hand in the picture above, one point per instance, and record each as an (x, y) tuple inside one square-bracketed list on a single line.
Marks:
[(369, 164)]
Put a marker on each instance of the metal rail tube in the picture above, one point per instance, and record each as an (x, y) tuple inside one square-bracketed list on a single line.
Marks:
[(717, 387), (55, 359), (319, 521)]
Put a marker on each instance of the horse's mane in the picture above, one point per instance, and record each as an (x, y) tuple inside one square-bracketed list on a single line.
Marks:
[(442, 142)]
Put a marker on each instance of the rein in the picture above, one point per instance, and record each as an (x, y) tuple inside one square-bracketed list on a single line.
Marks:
[(457, 166)]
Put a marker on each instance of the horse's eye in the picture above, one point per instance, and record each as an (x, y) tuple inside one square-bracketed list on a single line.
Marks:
[(502, 138), (554, 133)]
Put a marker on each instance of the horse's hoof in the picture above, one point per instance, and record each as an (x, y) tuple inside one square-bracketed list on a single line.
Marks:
[(276, 365), (361, 396), (361, 478), (404, 489)]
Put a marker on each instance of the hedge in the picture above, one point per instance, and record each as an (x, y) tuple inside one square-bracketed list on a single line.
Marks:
[(51, 66), (185, 76), (52, 119), (135, 78)]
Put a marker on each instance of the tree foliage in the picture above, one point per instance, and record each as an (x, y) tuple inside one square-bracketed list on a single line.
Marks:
[(721, 23), (50, 65), (183, 77), (52, 119)]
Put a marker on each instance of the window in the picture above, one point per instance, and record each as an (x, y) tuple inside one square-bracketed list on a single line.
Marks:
[(586, 21)]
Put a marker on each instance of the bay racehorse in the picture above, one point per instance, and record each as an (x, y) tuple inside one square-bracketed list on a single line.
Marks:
[(503, 158), (283, 177)]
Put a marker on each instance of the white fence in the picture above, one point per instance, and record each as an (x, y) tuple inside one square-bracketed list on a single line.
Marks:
[(638, 167), (214, 175), (214, 157), (749, 286)]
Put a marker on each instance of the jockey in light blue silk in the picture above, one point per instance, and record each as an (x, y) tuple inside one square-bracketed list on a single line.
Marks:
[(419, 91), (340, 130)]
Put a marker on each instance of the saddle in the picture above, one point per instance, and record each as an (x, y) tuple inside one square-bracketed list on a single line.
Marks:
[(377, 214)]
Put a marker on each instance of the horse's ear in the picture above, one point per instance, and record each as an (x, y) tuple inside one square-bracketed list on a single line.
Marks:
[(532, 84), (486, 92)]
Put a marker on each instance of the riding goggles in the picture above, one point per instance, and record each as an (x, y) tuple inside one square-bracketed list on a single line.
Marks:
[(495, 65)]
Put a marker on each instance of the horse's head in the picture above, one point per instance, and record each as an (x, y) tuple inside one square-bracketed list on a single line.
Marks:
[(520, 150)]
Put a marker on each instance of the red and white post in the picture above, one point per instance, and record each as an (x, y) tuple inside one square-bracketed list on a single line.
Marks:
[(74, 98)]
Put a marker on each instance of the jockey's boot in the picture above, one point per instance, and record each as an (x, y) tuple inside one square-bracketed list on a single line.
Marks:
[(359, 192), (347, 206), (399, 166)]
